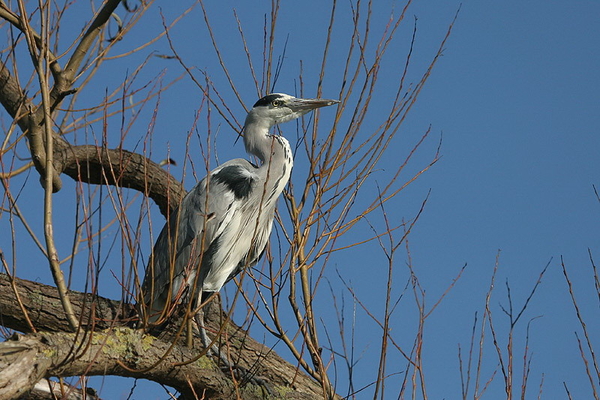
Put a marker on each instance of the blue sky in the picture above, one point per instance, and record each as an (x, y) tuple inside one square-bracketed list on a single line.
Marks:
[(515, 101)]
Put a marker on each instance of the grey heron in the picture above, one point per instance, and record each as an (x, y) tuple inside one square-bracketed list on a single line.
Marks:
[(223, 224)]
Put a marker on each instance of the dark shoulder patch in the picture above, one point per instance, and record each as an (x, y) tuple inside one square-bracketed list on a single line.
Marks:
[(268, 99), (236, 179)]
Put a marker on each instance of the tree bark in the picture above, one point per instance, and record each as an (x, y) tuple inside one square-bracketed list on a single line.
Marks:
[(106, 345)]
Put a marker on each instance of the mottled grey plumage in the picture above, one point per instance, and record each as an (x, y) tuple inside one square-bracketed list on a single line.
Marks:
[(223, 224)]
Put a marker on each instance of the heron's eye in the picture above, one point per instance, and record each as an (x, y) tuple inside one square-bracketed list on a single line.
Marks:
[(277, 103)]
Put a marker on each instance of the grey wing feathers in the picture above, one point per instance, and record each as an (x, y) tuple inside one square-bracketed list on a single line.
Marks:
[(186, 240)]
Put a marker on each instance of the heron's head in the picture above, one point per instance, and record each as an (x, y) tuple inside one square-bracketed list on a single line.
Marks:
[(277, 108)]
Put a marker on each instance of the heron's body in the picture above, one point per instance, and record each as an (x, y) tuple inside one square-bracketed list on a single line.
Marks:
[(223, 224)]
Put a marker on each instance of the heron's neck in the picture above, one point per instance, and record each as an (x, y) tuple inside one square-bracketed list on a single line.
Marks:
[(275, 155), (269, 149), (255, 139)]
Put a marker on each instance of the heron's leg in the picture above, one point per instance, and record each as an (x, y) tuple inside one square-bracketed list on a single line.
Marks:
[(206, 342), (241, 373)]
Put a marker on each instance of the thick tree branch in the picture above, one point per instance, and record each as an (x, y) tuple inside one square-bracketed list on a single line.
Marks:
[(101, 166), (12, 97), (42, 303), (113, 349)]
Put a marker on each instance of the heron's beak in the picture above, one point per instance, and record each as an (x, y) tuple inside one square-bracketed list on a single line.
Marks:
[(305, 105)]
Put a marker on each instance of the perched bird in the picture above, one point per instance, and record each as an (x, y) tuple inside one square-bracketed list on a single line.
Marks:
[(223, 224)]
